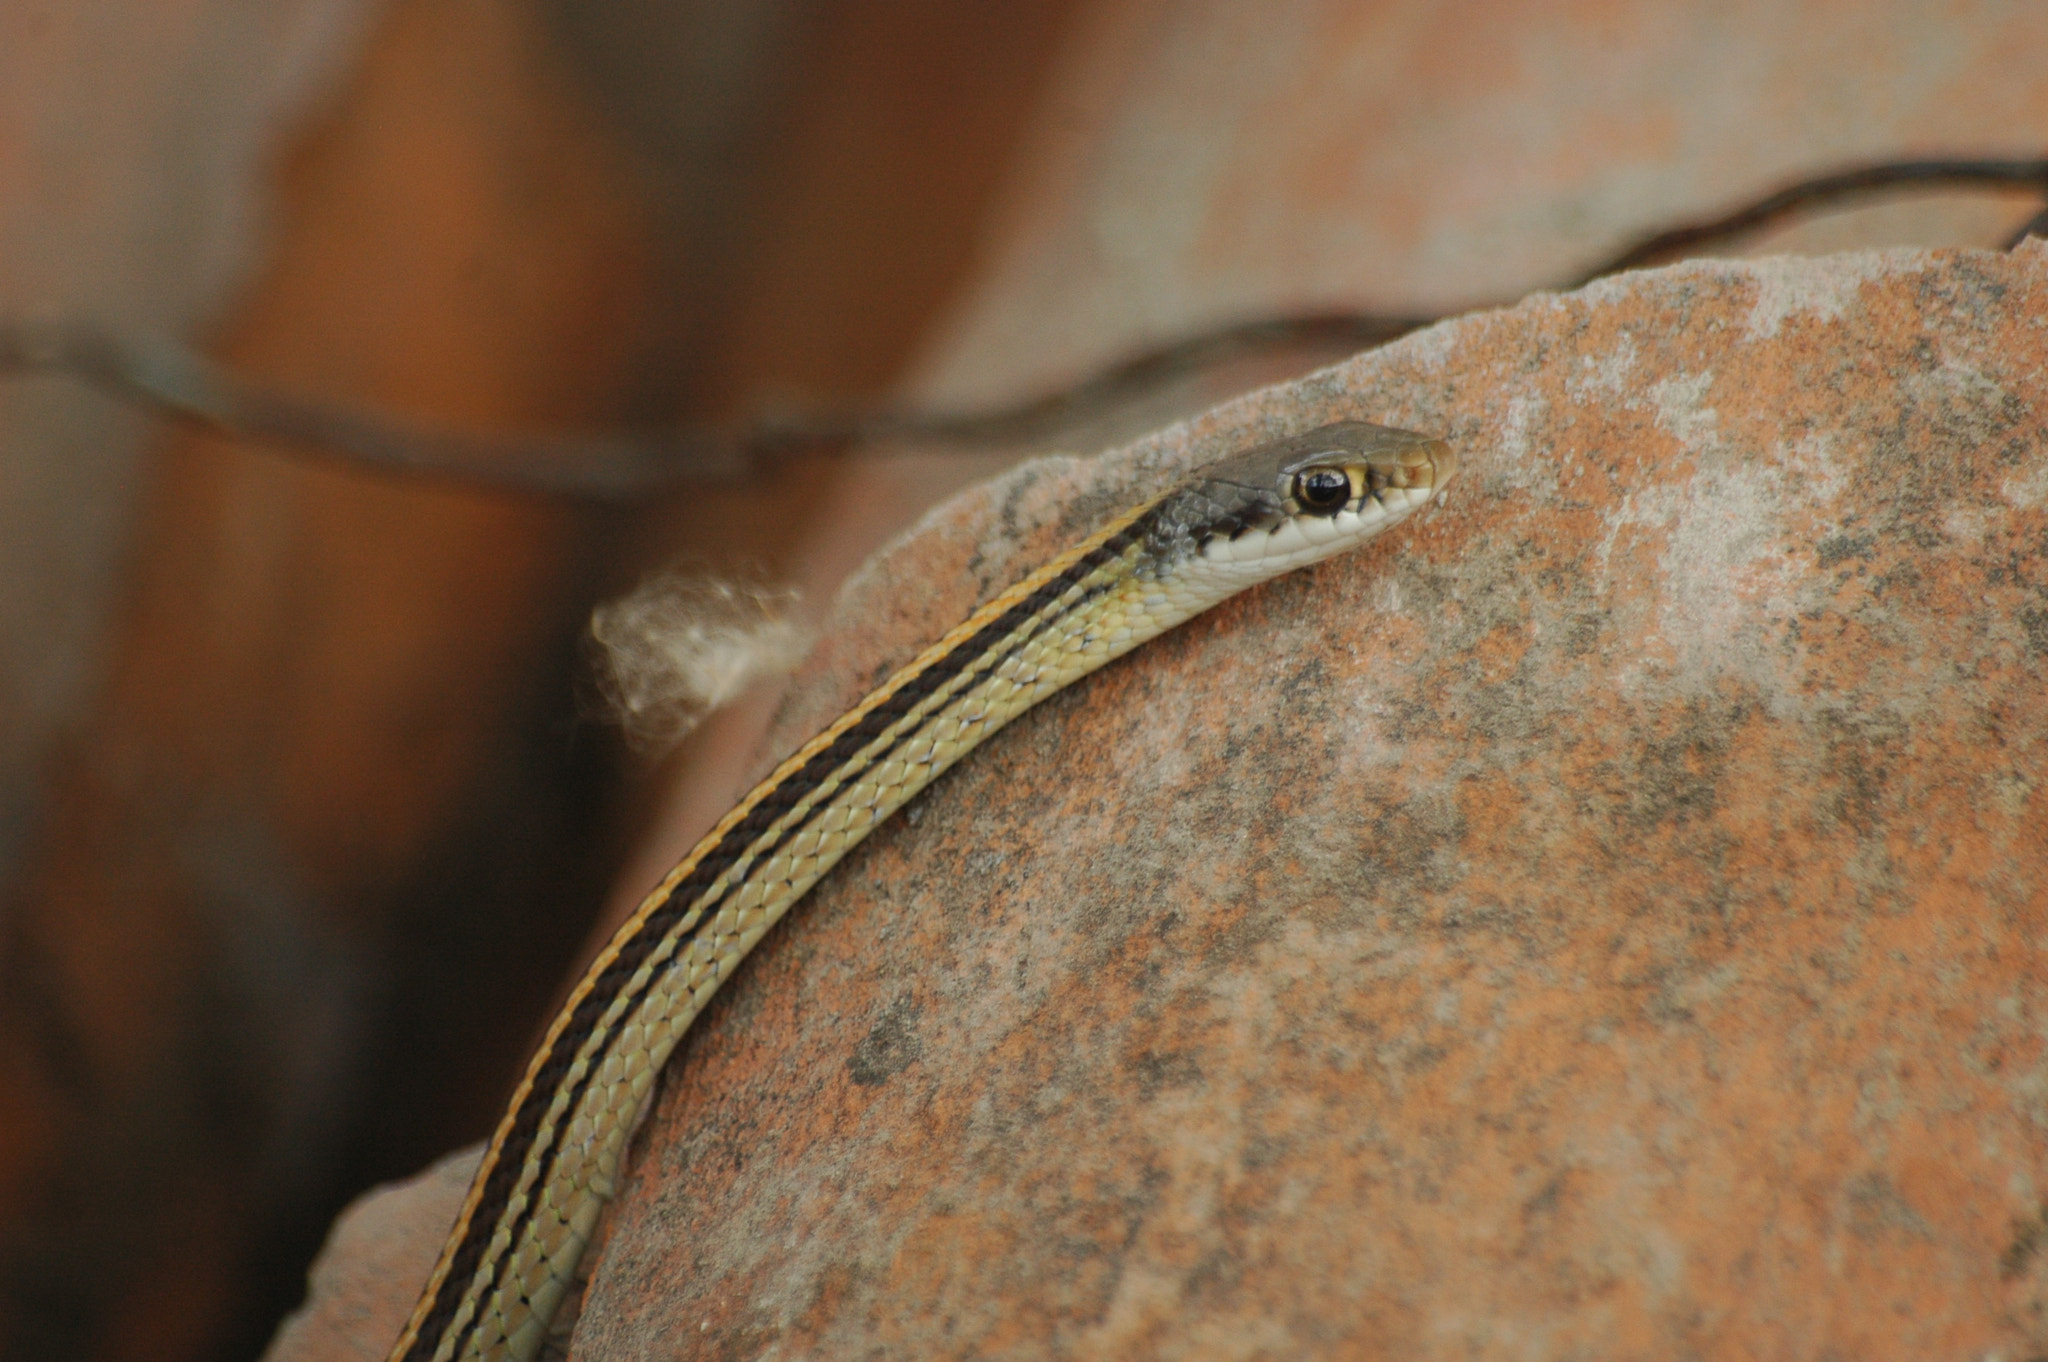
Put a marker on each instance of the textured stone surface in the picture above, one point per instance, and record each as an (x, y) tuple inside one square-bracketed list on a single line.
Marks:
[(1606, 918), (1609, 918)]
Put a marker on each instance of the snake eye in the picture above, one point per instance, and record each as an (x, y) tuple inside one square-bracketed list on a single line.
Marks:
[(1325, 490)]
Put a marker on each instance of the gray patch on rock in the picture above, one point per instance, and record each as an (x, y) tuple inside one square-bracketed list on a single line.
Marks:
[(890, 1047)]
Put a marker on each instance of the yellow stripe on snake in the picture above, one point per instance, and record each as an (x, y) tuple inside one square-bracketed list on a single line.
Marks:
[(555, 1160)]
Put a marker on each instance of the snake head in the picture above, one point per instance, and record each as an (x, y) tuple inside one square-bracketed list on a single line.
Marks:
[(1280, 505)]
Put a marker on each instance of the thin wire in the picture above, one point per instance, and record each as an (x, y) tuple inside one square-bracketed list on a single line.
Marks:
[(1830, 189), (182, 384), (627, 466)]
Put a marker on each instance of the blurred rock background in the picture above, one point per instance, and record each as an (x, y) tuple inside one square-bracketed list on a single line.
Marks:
[(302, 821)]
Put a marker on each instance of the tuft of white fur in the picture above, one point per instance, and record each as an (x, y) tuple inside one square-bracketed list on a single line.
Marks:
[(681, 646)]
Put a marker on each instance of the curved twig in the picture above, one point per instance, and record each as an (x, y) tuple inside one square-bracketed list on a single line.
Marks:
[(626, 466), (1824, 191)]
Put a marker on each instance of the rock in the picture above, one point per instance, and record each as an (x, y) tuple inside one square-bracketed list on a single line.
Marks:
[(1606, 917), (363, 1285)]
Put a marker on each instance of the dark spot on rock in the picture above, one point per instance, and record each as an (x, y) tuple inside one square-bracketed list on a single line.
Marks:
[(2035, 621), (2027, 1238), (1832, 551), (1307, 683), (1159, 1073), (1582, 632), (1266, 1151), (1423, 1058), (1876, 1208), (890, 1047), (1678, 770)]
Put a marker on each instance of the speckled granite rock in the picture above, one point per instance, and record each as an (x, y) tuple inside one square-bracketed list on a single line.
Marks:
[(1608, 917)]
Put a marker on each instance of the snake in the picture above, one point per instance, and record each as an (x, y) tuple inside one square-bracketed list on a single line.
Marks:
[(556, 1158)]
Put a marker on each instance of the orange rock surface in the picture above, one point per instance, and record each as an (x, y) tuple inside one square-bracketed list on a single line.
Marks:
[(1608, 918)]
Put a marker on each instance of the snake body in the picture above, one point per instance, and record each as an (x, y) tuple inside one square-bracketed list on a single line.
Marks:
[(555, 1160)]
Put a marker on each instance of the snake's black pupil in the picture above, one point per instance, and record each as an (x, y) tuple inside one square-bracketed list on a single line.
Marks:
[(1322, 489)]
